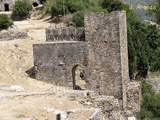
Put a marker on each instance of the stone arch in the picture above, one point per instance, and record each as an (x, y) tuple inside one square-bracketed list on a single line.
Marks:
[(6, 7), (78, 77)]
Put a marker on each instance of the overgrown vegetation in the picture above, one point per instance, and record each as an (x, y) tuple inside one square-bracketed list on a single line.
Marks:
[(150, 109), (5, 22), (154, 10), (78, 8), (21, 9), (78, 19)]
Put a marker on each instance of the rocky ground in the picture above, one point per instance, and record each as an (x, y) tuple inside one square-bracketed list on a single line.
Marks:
[(23, 98)]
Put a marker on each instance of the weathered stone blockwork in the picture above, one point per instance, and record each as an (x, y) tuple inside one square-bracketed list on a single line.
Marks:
[(108, 56), (6, 4), (133, 98), (11, 35), (55, 60), (107, 60), (65, 34)]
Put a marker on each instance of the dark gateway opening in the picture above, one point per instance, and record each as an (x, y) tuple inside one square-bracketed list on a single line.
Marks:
[(6, 7)]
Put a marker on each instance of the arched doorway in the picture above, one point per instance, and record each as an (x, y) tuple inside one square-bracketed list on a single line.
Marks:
[(78, 76), (6, 7)]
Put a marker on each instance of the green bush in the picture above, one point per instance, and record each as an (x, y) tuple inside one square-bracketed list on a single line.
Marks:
[(78, 19), (57, 8), (150, 108), (5, 22), (64, 7), (21, 9), (74, 6), (112, 5)]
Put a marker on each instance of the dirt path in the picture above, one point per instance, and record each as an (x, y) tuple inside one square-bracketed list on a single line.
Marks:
[(17, 56)]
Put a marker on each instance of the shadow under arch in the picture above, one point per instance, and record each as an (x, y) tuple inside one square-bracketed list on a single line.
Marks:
[(78, 77)]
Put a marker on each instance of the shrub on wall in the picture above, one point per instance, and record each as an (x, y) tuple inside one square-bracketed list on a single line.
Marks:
[(78, 19), (21, 9), (63, 7), (5, 22), (57, 8)]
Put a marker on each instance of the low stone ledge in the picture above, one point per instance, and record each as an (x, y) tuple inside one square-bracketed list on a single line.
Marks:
[(11, 35), (65, 34)]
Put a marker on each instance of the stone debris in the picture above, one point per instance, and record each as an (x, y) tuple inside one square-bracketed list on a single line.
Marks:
[(133, 98), (12, 35)]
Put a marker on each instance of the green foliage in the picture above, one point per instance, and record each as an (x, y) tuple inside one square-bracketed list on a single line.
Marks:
[(112, 5), (5, 22), (21, 8), (62, 7), (57, 9), (154, 45), (75, 6), (150, 108), (78, 19), (154, 10), (78, 8)]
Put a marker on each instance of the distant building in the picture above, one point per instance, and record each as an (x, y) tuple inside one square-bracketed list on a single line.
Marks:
[(7, 5)]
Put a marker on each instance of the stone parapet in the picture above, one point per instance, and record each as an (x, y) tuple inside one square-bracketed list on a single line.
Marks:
[(65, 34)]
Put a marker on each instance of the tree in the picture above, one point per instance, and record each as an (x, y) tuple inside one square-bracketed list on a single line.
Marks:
[(21, 9), (5, 22)]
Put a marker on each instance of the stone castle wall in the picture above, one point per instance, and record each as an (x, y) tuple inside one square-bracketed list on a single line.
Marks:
[(103, 53), (54, 61), (108, 60), (65, 34), (105, 48)]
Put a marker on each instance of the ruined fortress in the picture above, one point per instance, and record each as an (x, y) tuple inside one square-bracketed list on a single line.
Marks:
[(100, 50)]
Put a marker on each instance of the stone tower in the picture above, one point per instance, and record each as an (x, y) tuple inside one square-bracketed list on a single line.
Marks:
[(108, 53)]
